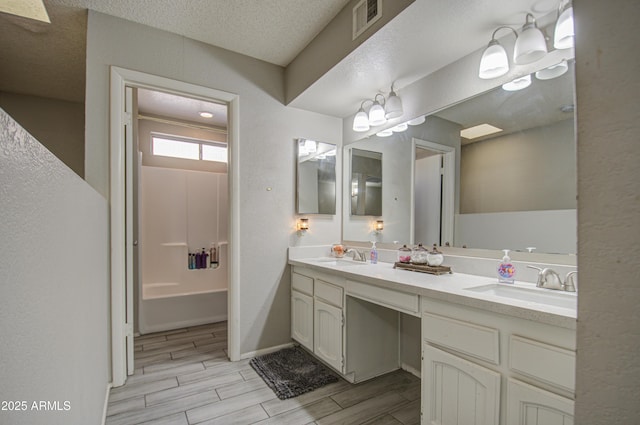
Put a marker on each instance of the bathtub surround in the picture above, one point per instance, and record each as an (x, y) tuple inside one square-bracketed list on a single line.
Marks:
[(53, 285), (181, 211)]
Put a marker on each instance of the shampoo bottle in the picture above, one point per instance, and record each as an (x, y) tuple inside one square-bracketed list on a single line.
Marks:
[(506, 270), (374, 253)]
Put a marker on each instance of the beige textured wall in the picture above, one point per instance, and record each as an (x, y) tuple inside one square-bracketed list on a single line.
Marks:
[(608, 117), (527, 171), (57, 124)]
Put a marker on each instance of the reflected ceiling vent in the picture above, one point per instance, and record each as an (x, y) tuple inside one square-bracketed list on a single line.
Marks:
[(365, 14)]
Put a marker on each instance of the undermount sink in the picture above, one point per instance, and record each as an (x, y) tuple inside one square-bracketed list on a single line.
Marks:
[(535, 295), (339, 262)]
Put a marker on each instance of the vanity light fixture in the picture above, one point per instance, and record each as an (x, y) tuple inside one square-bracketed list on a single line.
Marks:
[(303, 226), (553, 71), (205, 114), (494, 62), (530, 45), (563, 36), (378, 226), (381, 109), (518, 83)]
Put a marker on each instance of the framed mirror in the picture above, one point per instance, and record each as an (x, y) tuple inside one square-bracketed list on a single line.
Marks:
[(366, 183), (315, 177), (514, 188)]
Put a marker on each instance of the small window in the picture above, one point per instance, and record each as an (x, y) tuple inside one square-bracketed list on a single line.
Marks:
[(199, 150)]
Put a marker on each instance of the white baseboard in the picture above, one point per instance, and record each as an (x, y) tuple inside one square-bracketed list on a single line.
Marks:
[(106, 404), (412, 370), (262, 351)]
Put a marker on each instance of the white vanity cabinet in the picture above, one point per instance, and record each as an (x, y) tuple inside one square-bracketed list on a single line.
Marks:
[(317, 315), (488, 368)]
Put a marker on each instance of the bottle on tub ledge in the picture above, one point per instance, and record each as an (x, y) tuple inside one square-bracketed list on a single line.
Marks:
[(506, 270), (213, 256)]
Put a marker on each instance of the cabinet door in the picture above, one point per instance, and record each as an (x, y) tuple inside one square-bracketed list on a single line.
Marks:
[(529, 405), (456, 391), (327, 334), (302, 319)]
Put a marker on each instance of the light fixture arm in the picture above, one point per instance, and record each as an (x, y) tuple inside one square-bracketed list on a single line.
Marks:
[(375, 99), (528, 24), (493, 36)]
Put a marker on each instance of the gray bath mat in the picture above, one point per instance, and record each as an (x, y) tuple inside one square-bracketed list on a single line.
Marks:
[(291, 372)]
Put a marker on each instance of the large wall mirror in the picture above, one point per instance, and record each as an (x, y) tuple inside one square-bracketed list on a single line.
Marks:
[(316, 177), (514, 188)]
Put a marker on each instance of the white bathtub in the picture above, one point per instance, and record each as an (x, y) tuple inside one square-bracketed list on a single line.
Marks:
[(196, 297), (161, 312)]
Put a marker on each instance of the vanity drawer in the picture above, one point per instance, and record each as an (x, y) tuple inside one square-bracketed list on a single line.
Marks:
[(302, 283), (328, 292), (543, 362), (467, 338), (396, 300)]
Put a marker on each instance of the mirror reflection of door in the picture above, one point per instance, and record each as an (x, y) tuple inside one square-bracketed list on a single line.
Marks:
[(366, 183), (428, 189)]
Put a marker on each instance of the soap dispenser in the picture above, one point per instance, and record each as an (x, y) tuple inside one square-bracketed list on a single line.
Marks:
[(506, 270), (374, 253)]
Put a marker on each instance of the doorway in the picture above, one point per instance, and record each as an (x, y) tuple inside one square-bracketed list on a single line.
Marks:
[(122, 165), (433, 193), (180, 211)]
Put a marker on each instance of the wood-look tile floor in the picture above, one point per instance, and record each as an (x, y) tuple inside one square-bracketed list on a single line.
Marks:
[(183, 377)]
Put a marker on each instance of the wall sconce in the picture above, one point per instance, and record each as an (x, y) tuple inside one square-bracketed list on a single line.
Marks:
[(380, 111), (303, 226), (378, 226)]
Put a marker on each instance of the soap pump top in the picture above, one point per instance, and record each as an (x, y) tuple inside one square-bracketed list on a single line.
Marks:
[(374, 253), (506, 270)]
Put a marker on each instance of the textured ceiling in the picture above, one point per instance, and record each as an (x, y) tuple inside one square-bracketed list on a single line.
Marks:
[(271, 30), (42, 59), (161, 104)]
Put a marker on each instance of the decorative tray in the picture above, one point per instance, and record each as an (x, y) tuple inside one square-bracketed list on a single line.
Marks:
[(423, 268)]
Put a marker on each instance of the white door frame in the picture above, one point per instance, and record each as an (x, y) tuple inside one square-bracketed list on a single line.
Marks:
[(448, 187), (120, 188)]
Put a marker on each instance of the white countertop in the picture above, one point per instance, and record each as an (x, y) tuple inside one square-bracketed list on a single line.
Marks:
[(448, 287)]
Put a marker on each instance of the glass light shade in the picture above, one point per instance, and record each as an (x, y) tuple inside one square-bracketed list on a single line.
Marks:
[(564, 32), (361, 121), (518, 83), (400, 128), (384, 133), (553, 71), (393, 106), (494, 62), (376, 114), (530, 45), (311, 146), (416, 121)]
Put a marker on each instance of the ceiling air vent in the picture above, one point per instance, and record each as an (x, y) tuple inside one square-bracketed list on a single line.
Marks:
[(365, 13)]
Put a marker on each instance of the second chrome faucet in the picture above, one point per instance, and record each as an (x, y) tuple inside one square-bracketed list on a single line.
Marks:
[(550, 279)]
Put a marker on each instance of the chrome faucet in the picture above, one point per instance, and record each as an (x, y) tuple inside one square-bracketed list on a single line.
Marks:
[(570, 282), (548, 278), (357, 255)]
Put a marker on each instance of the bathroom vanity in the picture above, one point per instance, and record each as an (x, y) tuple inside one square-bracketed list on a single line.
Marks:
[(490, 354)]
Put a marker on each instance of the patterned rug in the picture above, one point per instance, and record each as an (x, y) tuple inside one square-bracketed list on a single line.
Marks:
[(291, 372)]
